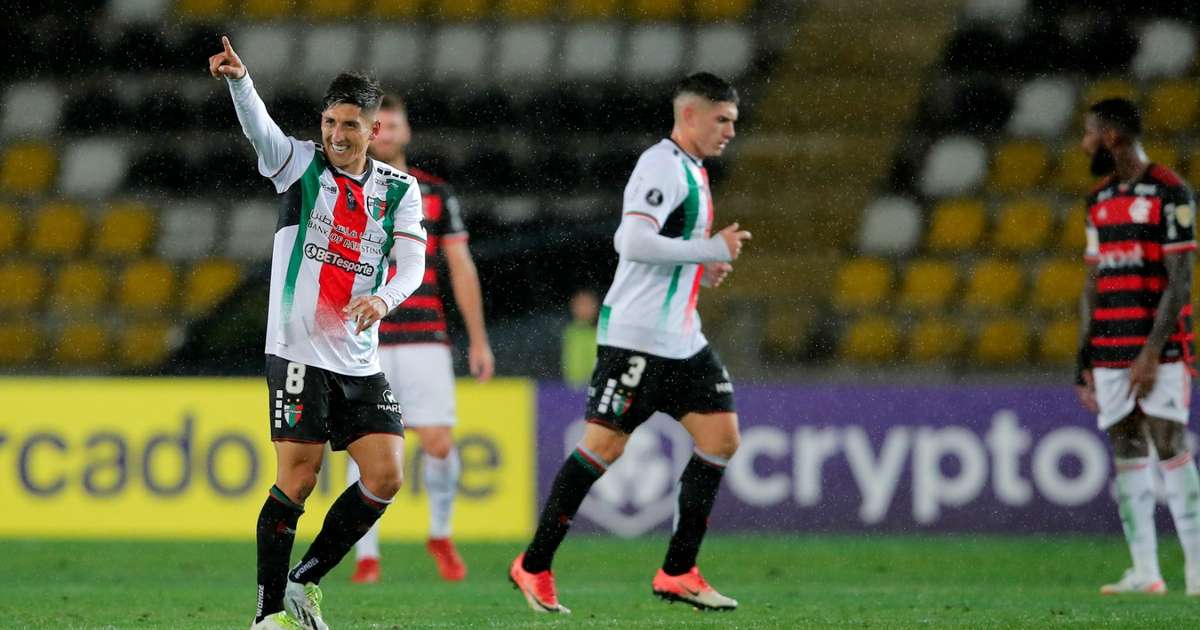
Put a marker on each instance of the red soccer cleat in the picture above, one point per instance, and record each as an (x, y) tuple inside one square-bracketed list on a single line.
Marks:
[(538, 588), (691, 588), (449, 563), (366, 571)]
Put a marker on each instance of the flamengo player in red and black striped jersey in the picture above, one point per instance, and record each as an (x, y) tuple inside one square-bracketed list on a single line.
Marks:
[(1136, 336), (414, 349)]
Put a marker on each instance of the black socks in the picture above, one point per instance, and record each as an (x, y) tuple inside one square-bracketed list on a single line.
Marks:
[(697, 491), (574, 479), (354, 512), (276, 532)]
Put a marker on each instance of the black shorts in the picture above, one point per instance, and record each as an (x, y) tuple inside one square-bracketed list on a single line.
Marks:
[(309, 404), (629, 386)]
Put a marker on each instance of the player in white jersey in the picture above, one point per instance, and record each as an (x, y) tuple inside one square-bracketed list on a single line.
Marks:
[(651, 354), (343, 218)]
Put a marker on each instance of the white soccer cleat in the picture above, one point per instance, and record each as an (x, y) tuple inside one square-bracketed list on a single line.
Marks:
[(303, 604), (1133, 584), (691, 588), (278, 621), (1193, 582)]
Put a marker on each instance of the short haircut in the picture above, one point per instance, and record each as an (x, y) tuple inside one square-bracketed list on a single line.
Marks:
[(393, 102), (1120, 113), (354, 88), (709, 86)]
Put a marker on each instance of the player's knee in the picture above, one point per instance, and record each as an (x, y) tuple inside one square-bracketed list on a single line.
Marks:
[(609, 450), (298, 484), (384, 484), (725, 445)]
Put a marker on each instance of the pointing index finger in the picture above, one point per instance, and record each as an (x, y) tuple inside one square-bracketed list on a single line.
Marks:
[(228, 46)]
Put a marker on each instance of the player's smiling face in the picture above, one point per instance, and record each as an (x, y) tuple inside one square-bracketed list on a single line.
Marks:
[(713, 127), (346, 133)]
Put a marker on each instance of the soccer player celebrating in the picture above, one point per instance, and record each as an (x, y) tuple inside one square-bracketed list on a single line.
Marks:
[(1136, 336), (651, 354), (415, 353), (343, 216)]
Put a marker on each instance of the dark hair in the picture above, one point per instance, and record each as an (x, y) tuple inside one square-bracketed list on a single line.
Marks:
[(708, 85), (392, 102), (354, 88), (1120, 113)]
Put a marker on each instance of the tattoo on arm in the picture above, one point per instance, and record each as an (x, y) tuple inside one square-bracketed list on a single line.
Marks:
[(1174, 298)]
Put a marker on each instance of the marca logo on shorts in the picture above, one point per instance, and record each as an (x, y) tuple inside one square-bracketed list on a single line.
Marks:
[(724, 388), (320, 254)]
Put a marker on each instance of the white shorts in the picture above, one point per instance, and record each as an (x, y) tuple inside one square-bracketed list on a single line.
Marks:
[(422, 378), (1168, 400)]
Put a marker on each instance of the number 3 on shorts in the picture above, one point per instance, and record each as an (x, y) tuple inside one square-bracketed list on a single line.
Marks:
[(634, 375), (295, 378)]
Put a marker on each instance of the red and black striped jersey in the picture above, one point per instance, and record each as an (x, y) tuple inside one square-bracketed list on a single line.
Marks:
[(421, 318), (1130, 230)]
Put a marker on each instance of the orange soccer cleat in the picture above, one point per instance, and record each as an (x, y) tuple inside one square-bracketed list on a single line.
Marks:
[(449, 563), (366, 571), (692, 588), (538, 588)]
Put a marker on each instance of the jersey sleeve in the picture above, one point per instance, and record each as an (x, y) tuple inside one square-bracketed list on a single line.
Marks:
[(281, 158), (407, 215), (451, 225), (655, 188), (1091, 252), (1179, 220)]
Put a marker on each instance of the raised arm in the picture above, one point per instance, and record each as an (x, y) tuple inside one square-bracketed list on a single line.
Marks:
[(273, 147)]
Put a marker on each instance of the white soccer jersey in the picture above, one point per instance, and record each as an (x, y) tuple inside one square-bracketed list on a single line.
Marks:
[(652, 307)]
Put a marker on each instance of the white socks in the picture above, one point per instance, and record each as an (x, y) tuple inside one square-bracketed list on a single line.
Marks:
[(1135, 501), (441, 482), (1183, 497), (368, 545)]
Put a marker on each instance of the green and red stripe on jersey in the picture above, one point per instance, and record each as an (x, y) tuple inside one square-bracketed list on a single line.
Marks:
[(336, 284)]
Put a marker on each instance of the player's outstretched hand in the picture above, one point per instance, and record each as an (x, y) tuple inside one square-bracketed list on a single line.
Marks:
[(481, 361), (734, 238), (226, 63), (714, 274), (1087, 393), (365, 311)]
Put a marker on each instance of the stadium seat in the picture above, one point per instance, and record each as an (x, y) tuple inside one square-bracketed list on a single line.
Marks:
[(250, 231), (862, 283), (1166, 48), (955, 165), (1073, 175), (396, 9), (890, 225), (126, 230), (1109, 88), (27, 168), (147, 286), (993, 284), (1172, 107), (593, 9), (188, 230), (655, 52), (20, 343), (1163, 152), (329, 50), (58, 230), (726, 50), (591, 51), (1002, 342), (526, 9), (80, 289), (205, 10), (784, 329), (208, 283), (1072, 236), (460, 9), (661, 10), (141, 11), (396, 51), (268, 9), (928, 284), (772, 277), (10, 227), (31, 109), (81, 344), (525, 52), (24, 284), (1044, 107), (93, 167), (956, 225), (1023, 226), (1058, 284), (1018, 166), (871, 339), (721, 10), (332, 10), (460, 53), (144, 344), (1059, 341), (269, 45), (935, 339)]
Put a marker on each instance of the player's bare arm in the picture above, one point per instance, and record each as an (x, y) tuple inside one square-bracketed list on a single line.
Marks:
[(464, 280), (1085, 387), (1179, 281)]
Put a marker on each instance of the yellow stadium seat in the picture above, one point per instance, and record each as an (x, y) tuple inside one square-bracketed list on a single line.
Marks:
[(656, 9), (396, 9), (125, 231), (1074, 175), (203, 9), (58, 230), (1072, 237), (525, 9), (461, 9), (874, 339), (1059, 341), (928, 284), (147, 286), (81, 288), (144, 344), (593, 9), (23, 285), (957, 225), (1023, 226), (208, 283), (1002, 341), (1019, 166), (721, 10), (268, 9), (27, 168), (1058, 284), (1109, 88), (20, 342), (1172, 106), (82, 344), (331, 9), (935, 339), (862, 283), (993, 284), (10, 227), (1164, 153)]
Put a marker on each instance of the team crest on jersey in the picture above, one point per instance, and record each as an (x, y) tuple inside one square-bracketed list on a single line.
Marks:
[(1139, 210), (376, 206)]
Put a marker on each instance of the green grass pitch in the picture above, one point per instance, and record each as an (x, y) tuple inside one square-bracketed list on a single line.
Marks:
[(781, 582)]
